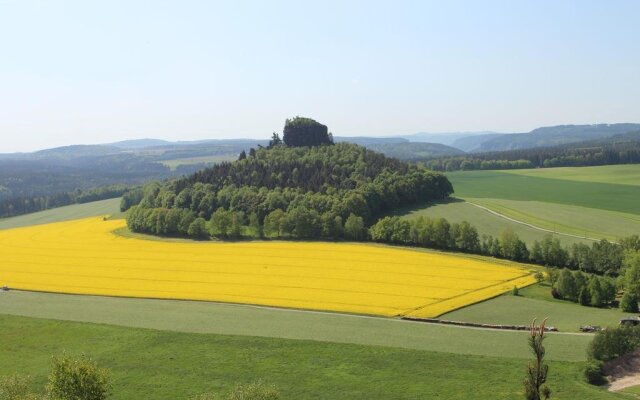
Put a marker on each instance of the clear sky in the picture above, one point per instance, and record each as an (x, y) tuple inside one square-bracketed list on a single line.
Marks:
[(100, 71)]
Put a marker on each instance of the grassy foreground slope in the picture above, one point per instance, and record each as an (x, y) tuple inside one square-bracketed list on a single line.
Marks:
[(67, 213), (230, 319), (160, 364)]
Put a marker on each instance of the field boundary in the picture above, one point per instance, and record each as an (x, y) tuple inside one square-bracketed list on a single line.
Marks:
[(258, 307), (477, 324)]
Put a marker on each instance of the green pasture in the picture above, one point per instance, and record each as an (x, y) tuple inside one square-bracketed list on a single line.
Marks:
[(574, 220), (487, 223), (230, 319), (155, 364), (627, 174), (66, 213), (514, 186)]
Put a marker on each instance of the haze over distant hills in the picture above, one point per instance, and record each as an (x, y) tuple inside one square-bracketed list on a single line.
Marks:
[(550, 136), (403, 146), (448, 138), (541, 137)]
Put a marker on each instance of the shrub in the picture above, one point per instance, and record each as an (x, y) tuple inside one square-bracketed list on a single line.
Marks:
[(77, 379), (555, 293), (515, 291), (615, 342), (539, 276), (552, 275), (593, 372), (16, 387), (254, 391), (205, 396)]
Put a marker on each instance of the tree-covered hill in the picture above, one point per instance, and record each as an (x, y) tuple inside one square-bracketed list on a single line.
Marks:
[(617, 149), (414, 151), (321, 191), (549, 136)]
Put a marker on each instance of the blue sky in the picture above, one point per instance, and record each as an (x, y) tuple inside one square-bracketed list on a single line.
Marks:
[(93, 72)]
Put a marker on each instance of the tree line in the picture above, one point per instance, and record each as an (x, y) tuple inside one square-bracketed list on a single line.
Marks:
[(28, 204), (622, 149)]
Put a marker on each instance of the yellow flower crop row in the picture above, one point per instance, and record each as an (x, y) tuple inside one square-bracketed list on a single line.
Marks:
[(86, 257)]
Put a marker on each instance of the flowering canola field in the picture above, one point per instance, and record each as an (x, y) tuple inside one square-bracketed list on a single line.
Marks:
[(86, 257)]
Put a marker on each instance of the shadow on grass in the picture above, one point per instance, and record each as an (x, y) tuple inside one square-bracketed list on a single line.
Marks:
[(421, 206)]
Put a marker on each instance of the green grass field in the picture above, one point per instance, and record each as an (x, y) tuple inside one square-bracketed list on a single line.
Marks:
[(516, 186), (67, 213), (628, 174), (568, 219), (597, 202), (535, 301), (218, 318), (484, 221), (154, 364)]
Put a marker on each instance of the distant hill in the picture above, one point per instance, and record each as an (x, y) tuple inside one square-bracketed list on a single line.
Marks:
[(408, 151), (472, 143), (618, 149), (75, 151), (447, 138), (140, 143), (552, 136), (368, 140)]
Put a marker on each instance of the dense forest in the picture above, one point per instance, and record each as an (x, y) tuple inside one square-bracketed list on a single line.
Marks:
[(328, 191), (51, 176), (619, 149)]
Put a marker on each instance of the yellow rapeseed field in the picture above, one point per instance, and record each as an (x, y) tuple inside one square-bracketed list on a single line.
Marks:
[(86, 257)]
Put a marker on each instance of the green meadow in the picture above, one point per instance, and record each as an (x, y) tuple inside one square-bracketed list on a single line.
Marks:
[(593, 202)]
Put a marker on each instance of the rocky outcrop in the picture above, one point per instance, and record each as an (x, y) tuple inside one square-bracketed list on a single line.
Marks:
[(300, 132)]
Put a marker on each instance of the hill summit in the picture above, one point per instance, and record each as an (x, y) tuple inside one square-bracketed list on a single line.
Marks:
[(301, 131)]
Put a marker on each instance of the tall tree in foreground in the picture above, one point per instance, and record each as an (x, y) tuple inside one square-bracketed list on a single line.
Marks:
[(537, 370)]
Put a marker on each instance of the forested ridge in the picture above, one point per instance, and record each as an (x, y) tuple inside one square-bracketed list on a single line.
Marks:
[(619, 149), (319, 191)]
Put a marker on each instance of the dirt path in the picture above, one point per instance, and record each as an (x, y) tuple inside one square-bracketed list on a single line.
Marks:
[(624, 372), (497, 214)]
